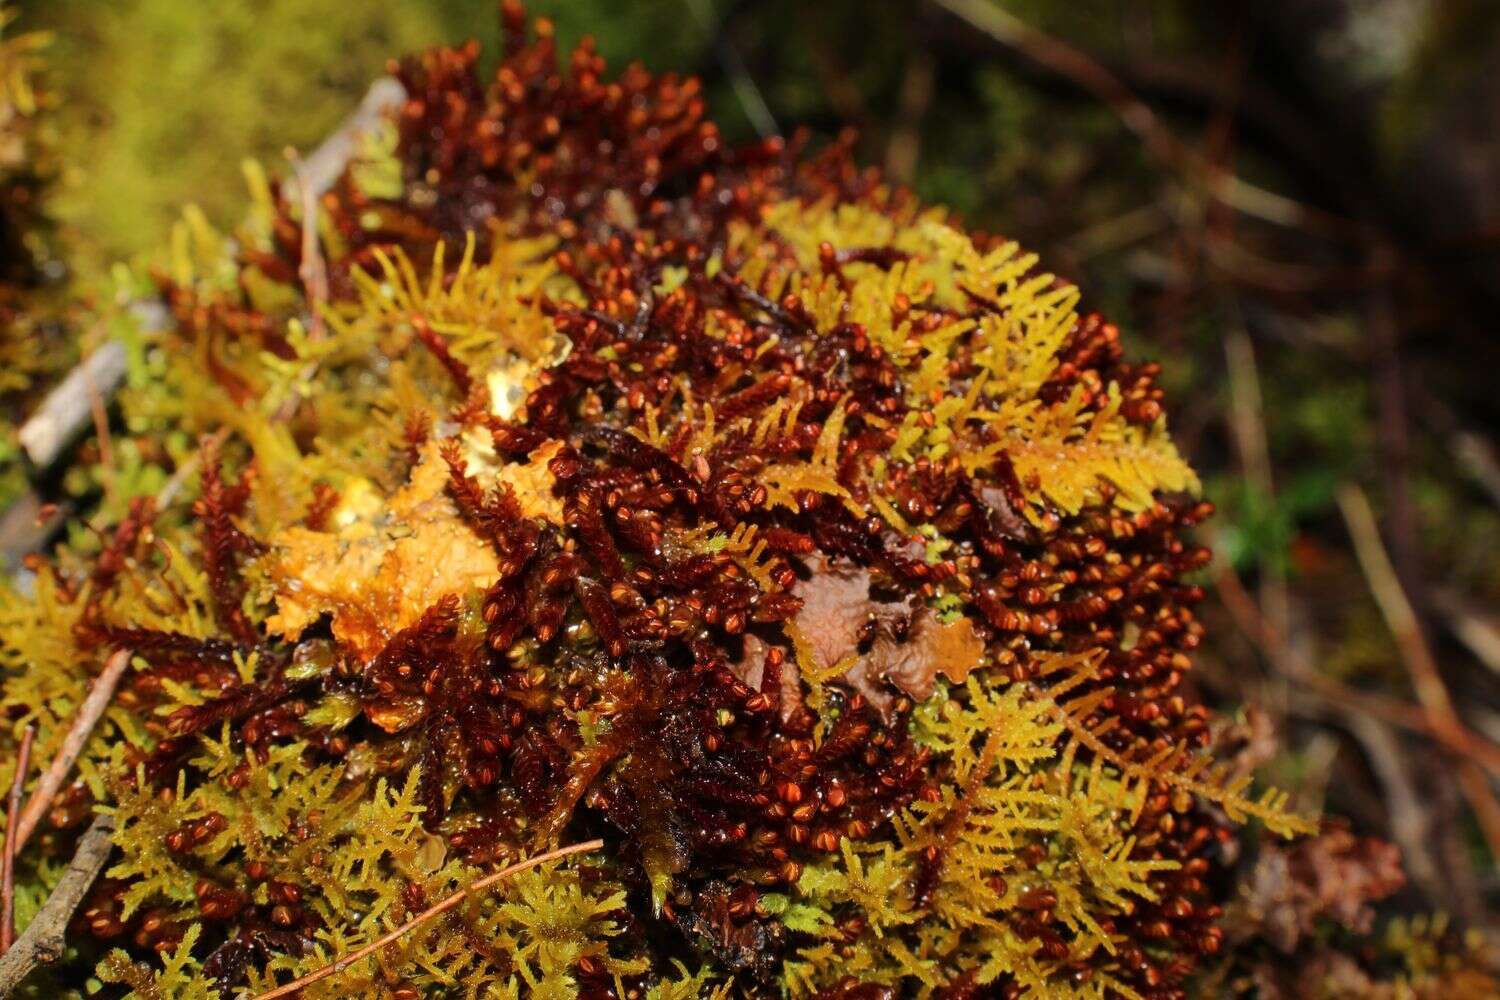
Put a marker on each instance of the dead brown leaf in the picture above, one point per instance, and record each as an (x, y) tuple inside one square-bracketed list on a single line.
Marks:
[(1333, 876), (913, 664), (837, 610)]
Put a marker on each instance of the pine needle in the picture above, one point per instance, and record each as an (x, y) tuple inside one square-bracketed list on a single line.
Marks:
[(334, 968)]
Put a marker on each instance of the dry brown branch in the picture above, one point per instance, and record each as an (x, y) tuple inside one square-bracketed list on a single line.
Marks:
[(312, 177), (1394, 439), (313, 270), (436, 910), (746, 91), (1474, 626), (323, 165), (86, 391), (100, 414), (1117, 232), (8, 871), (1410, 822), (1385, 586), (189, 468), (24, 526), (44, 939), (68, 408), (89, 712), (1426, 679), (1370, 720), (1477, 456), (57, 421), (1413, 718), (1248, 270), (1062, 59), (46, 944)]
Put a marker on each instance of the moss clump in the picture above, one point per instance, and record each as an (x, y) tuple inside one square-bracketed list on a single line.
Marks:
[(818, 557)]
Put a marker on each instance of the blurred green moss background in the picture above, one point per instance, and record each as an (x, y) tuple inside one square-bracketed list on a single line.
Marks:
[(160, 100)]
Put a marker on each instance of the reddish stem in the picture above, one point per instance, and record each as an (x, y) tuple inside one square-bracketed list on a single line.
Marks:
[(12, 848)]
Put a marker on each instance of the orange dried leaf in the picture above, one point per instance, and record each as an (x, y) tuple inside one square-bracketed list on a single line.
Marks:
[(389, 561), (913, 664)]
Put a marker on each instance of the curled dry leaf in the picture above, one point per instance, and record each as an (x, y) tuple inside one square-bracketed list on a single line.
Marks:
[(741, 941), (837, 613), (913, 664), (1005, 506), (388, 561), (931, 647), (837, 608)]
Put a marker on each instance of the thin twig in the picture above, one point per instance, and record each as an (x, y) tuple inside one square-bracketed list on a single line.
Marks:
[(100, 413), (1410, 823), (89, 712), (324, 165), (189, 468), (904, 148), (1472, 450), (334, 968), (24, 526), (8, 871), (46, 944), (1395, 434), (1369, 718), (1117, 232), (1426, 679), (1471, 624), (1247, 421), (44, 939), (1477, 457), (67, 409), (313, 271), (1386, 588)]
